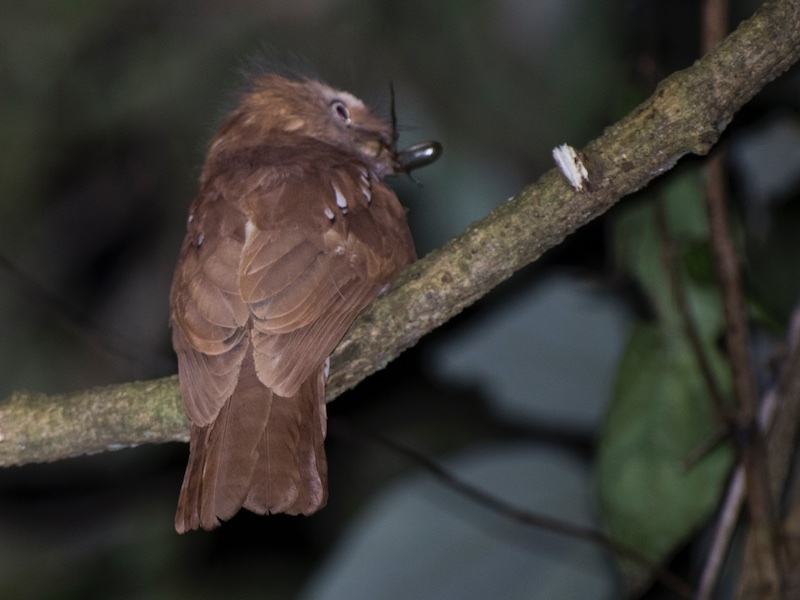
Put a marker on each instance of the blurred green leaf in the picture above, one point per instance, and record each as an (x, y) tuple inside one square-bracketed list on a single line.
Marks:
[(661, 410), (659, 414)]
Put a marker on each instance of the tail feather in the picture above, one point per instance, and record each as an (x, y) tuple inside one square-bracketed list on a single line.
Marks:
[(262, 452), (292, 474), (187, 516)]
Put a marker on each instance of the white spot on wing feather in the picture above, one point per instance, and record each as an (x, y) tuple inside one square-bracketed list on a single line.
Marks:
[(341, 201), (366, 187), (249, 229)]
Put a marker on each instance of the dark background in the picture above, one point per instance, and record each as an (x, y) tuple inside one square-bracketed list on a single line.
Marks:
[(105, 111)]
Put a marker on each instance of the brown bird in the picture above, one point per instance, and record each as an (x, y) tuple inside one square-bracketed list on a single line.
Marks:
[(292, 234)]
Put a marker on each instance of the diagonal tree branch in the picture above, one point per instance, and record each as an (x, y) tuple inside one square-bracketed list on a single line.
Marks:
[(686, 114)]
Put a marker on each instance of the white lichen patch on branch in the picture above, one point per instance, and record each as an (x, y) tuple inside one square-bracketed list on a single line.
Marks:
[(572, 166)]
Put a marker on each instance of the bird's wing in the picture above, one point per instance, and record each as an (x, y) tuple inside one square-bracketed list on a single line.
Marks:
[(319, 246), (208, 317), (285, 261)]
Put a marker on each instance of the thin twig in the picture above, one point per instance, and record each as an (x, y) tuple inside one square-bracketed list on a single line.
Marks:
[(749, 438), (524, 517), (726, 525), (734, 498), (110, 340), (714, 21), (731, 508), (714, 440), (684, 310)]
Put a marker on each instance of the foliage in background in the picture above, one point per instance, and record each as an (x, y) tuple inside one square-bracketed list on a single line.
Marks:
[(654, 494), (105, 110)]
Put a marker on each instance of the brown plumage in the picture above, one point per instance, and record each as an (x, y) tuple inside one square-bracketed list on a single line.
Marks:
[(291, 235)]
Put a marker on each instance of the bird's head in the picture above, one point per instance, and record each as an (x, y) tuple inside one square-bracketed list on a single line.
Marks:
[(309, 108)]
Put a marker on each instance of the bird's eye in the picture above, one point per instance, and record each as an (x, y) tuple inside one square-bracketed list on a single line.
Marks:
[(341, 111)]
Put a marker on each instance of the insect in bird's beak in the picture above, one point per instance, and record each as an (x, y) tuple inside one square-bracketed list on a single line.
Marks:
[(418, 155)]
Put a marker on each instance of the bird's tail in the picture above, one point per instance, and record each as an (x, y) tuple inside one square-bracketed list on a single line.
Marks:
[(263, 452)]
